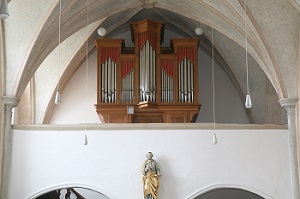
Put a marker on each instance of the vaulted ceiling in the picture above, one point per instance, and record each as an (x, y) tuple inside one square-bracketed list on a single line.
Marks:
[(272, 26)]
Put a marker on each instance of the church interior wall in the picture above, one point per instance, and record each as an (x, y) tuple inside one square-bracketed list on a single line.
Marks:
[(111, 162)]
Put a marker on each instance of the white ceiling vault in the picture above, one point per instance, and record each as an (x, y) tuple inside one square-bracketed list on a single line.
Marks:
[(31, 40)]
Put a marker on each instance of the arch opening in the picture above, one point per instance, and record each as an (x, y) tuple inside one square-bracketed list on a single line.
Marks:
[(229, 193), (72, 191)]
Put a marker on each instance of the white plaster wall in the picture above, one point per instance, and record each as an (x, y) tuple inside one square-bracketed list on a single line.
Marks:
[(78, 97), (256, 160), (228, 105)]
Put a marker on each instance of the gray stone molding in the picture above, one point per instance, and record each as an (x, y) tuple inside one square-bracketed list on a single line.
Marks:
[(290, 105), (9, 103), (288, 102)]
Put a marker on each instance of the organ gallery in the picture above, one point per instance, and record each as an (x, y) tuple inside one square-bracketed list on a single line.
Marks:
[(147, 83)]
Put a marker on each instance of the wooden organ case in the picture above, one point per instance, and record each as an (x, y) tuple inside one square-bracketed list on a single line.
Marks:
[(147, 83)]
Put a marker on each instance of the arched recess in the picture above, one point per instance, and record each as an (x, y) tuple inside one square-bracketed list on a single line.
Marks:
[(37, 54), (76, 19), (65, 186), (234, 29), (199, 193), (73, 19)]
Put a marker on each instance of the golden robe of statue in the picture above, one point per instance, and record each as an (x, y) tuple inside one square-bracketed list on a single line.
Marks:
[(151, 174)]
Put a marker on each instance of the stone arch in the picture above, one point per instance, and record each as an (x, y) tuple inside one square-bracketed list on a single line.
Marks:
[(64, 186), (266, 60), (230, 186)]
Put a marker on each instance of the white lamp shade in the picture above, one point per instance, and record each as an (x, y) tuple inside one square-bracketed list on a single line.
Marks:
[(85, 140), (248, 103), (215, 140), (57, 97), (4, 10), (198, 31), (102, 31)]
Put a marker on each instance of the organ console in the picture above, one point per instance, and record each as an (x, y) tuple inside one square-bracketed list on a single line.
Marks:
[(159, 85)]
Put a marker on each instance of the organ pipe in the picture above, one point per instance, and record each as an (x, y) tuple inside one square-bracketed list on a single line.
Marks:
[(109, 85), (147, 73), (128, 87), (167, 81), (186, 81)]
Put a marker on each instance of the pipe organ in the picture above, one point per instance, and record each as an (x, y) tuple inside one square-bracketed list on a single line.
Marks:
[(158, 84)]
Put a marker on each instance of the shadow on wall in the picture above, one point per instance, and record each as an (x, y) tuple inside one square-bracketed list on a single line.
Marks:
[(72, 193), (229, 193)]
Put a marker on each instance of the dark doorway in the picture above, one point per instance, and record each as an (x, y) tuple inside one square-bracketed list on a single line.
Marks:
[(229, 193)]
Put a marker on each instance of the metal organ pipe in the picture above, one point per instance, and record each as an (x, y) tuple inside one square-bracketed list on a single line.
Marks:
[(115, 82), (142, 76), (163, 87), (132, 86), (109, 85), (167, 82), (150, 95), (127, 82), (105, 74), (153, 80), (192, 82), (147, 73), (147, 61), (109, 81), (181, 94), (147, 67), (103, 82), (186, 81)]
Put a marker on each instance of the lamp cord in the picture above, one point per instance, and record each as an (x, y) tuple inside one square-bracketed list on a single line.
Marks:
[(213, 75), (59, 41), (86, 68), (246, 36)]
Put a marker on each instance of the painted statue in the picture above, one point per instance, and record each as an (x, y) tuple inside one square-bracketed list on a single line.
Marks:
[(151, 175)]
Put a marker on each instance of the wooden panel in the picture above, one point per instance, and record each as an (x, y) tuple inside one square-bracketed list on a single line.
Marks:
[(140, 119), (177, 119), (117, 119), (181, 117), (148, 117)]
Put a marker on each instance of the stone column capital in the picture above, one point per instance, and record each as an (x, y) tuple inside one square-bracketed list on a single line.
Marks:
[(288, 102), (10, 100)]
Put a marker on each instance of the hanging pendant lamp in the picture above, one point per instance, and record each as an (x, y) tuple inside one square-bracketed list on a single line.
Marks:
[(215, 140), (213, 83), (57, 96), (85, 140), (4, 14), (248, 103)]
